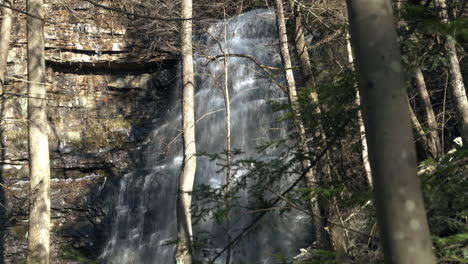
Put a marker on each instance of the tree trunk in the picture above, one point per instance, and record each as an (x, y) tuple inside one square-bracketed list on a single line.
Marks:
[(300, 43), (227, 103), (187, 176), (312, 177), (5, 32), (39, 169), (433, 144), (458, 88), (303, 55), (421, 135), (336, 234), (397, 191), (362, 129)]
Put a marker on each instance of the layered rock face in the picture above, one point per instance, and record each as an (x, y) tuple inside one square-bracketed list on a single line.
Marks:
[(105, 84)]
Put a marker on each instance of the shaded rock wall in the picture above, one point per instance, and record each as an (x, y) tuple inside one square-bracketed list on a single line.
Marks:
[(78, 219), (104, 87)]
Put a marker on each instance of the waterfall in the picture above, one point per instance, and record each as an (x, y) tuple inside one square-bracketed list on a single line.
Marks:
[(144, 221)]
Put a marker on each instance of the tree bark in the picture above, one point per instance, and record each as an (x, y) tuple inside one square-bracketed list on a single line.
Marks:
[(458, 88), (5, 33), (187, 176), (303, 55), (421, 134), (336, 234), (362, 129), (227, 103), (397, 191), (39, 169), (312, 177), (433, 139)]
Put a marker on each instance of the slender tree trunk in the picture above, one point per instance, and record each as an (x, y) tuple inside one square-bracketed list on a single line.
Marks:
[(187, 175), (5, 32), (458, 88), (397, 191), (312, 177), (227, 103), (421, 134), (303, 55), (362, 129), (433, 144), (336, 234), (39, 169)]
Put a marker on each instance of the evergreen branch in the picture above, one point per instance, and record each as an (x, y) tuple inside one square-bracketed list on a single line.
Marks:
[(291, 187)]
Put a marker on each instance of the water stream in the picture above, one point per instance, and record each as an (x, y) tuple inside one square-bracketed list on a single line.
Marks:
[(144, 226)]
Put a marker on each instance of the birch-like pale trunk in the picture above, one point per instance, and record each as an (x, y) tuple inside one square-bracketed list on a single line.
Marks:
[(5, 33), (227, 104), (187, 176), (458, 88), (362, 128), (397, 190), (312, 177), (39, 169)]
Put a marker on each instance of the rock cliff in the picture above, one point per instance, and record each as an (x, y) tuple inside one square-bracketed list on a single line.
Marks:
[(105, 84)]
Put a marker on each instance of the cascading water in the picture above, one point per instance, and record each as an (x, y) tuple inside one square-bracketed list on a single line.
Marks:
[(144, 224)]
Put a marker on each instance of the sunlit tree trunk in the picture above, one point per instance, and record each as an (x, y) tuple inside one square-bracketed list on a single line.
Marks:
[(303, 54), (458, 88), (187, 175), (39, 169), (362, 129), (227, 103), (5, 32), (397, 191), (312, 177), (434, 143)]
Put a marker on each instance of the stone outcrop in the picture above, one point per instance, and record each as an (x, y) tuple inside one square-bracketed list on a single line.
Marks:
[(78, 218), (105, 84), (101, 84)]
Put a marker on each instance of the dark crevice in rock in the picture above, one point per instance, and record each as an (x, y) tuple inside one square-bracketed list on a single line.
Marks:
[(87, 51), (110, 67)]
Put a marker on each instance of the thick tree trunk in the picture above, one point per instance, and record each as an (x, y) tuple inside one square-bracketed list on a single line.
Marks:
[(458, 88), (39, 169), (312, 176), (5, 32), (397, 191), (187, 175), (434, 143)]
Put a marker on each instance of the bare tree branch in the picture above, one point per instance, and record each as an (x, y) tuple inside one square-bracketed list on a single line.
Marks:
[(138, 15), (28, 14)]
